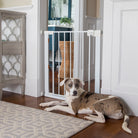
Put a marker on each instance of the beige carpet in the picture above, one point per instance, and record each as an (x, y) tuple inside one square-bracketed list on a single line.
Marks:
[(23, 122)]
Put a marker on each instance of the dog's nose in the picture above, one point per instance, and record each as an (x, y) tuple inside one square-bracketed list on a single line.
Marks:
[(75, 93)]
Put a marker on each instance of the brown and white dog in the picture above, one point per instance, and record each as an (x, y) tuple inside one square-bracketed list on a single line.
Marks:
[(81, 102)]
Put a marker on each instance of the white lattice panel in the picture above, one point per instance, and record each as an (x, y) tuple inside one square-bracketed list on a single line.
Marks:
[(11, 30), (11, 65)]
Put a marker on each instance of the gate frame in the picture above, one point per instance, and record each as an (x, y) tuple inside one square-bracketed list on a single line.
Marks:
[(90, 33)]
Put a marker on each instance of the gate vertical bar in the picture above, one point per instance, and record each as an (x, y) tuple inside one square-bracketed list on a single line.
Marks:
[(0, 58), (58, 63), (53, 62), (46, 47), (64, 62), (89, 65), (97, 60), (70, 54), (82, 57)]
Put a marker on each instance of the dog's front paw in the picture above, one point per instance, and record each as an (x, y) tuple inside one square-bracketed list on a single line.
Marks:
[(52, 103), (48, 109), (42, 104), (88, 118), (85, 117)]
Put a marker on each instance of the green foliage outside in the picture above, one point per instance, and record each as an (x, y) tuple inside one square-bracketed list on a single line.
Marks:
[(66, 20)]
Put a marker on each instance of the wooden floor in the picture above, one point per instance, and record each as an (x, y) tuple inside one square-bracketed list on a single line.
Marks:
[(111, 129)]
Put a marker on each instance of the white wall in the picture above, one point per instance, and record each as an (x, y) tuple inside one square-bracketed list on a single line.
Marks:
[(14, 3), (34, 47), (120, 46), (43, 24)]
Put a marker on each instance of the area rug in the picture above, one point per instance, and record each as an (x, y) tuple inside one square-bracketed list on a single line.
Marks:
[(18, 121)]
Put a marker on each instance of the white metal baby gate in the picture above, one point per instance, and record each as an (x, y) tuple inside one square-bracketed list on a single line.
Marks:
[(78, 48)]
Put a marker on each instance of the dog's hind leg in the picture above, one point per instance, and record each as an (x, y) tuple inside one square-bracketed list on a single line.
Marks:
[(100, 118), (85, 111), (116, 115)]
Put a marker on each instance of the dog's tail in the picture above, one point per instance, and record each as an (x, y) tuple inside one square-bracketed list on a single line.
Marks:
[(125, 124)]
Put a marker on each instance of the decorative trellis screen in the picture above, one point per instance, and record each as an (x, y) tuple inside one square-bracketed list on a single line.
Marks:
[(12, 49)]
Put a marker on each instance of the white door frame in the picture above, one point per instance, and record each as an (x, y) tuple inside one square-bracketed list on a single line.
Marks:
[(107, 46)]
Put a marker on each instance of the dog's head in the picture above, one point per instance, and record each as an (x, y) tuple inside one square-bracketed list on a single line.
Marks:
[(73, 86)]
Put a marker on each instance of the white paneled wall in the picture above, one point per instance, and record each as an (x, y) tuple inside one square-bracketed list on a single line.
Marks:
[(120, 48)]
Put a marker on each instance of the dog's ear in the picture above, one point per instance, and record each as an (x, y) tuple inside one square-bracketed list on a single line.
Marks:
[(63, 82), (80, 82)]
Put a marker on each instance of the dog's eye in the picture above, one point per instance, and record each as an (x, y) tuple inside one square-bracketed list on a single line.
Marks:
[(70, 85), (76, 85)]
